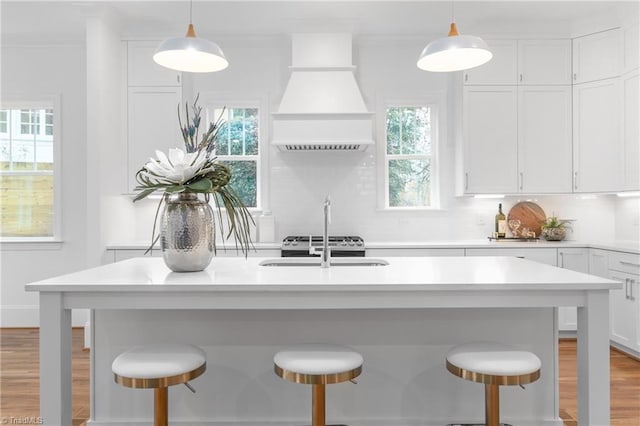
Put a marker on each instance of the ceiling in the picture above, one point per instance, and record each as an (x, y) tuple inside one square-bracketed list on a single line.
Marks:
[(24, 19)]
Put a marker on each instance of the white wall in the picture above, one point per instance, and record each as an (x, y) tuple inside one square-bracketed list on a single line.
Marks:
[(31, 72)]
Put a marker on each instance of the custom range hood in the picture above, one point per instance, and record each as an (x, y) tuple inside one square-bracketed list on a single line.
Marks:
[(322, 108)]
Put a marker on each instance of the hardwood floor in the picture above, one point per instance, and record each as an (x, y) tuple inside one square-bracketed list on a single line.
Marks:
[(19, 380)]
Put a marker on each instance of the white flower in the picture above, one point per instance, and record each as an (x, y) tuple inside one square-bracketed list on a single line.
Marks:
[(177, 168)]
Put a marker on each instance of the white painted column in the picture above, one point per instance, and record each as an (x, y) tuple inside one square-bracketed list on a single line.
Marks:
[(593, 360), (55, 360), (104, 168)]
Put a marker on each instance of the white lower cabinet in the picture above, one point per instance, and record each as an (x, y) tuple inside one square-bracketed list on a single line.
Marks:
[(625, 302), (412, 252), (576, 259), (542, 255)]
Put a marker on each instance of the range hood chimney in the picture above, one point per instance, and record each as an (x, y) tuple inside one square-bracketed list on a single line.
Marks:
[(322, 108)]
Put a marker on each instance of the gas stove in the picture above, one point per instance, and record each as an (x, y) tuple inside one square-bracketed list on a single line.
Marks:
[(341, 246)]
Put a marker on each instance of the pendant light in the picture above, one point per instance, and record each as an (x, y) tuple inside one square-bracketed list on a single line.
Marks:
[(455, 52), (190, 53)]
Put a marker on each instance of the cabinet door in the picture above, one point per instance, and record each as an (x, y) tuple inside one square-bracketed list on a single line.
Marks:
[(501, 69), (152, 124), (576, 259), (544, 139), (542, 255), (631, 131), (412, 252), (597, 155), (599, 263), (143, 71), (490, 139), (631, 48), (623, 308), (597, 56), (544, 62)]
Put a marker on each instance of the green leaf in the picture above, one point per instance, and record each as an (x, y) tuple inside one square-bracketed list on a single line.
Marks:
[(144, 194), (202, 185)]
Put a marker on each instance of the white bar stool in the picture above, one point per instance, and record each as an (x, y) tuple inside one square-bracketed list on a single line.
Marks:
[(493, 364), (158, 367), (318, 365)]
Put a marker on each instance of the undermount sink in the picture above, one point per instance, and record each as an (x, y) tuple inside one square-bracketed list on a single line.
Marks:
[(313, 261)]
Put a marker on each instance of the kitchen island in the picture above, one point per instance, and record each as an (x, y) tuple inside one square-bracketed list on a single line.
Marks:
[(402, 317)]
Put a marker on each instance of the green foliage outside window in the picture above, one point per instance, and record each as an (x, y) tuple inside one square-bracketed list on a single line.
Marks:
[(409, 156), (238, 138)]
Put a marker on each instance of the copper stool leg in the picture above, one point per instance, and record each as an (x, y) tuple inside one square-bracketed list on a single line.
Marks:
[(317, 405), (492, 405), (161, 407)]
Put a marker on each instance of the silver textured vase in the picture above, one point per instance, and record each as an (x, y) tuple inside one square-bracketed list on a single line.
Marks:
[(186, 232)]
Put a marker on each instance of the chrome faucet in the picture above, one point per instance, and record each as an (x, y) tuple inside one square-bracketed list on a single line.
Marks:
[(325, 253), (326, 250)]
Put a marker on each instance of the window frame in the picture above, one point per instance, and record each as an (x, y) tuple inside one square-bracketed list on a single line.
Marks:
[(218, 100), (437, 108), (18, 102)]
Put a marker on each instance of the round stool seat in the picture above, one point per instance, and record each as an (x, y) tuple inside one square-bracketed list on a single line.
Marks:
[(161, 365), (318, 364), (493, 363)]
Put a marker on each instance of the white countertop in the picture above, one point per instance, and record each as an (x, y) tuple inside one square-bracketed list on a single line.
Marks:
[(402, 274)]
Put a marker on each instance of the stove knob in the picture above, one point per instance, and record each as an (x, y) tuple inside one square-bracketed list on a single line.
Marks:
[(359, 244), (351, 243), (343, 243), (285, 243), (294, 243)]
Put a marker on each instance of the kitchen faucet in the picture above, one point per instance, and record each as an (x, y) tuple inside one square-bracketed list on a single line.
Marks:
[(325, 259), (326, 251)]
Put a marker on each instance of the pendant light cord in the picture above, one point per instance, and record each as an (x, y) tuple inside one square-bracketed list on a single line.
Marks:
[(191, 11)]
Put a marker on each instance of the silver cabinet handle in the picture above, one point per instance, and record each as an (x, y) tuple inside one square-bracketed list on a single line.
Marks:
[(624, 262), (466, 78), (631, 283), (466, 181), (561, 259), (178, 78), (521, 77), (626, 288), (521, 180), (575, 180), (575, 76)]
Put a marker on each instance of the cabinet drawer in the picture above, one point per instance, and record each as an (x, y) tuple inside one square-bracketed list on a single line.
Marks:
[(545, 255), (625, 262)]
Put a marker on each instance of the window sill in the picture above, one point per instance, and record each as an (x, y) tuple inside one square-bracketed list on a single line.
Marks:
[(25, 244)]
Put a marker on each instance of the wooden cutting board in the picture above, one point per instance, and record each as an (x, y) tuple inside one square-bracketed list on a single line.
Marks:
[(525, 216)]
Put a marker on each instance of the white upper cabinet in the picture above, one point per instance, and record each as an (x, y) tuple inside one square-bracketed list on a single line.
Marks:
[(143, 71), (544, 139), (501, 69), (541, 62), (631, 130), (152, 125), (544, 62), (490, 135), (631, 42), (597, 140), (597, 56), (152, 95)]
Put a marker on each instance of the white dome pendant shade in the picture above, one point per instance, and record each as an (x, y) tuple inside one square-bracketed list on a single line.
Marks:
[(190, 53), (454, 53)]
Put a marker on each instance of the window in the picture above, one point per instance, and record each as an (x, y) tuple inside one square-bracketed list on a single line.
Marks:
[(409, 156), (27, 195), (239, 146)]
